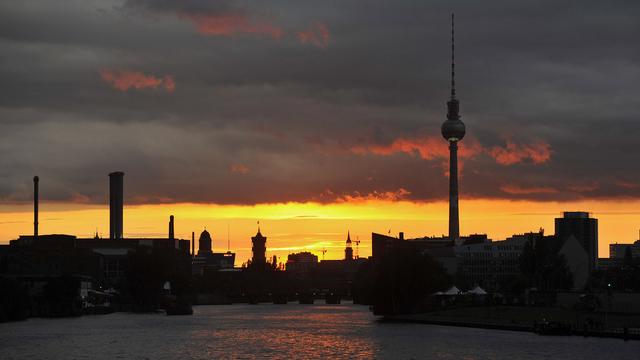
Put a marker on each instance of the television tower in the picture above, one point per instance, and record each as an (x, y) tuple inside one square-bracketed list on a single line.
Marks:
[(453, 131)]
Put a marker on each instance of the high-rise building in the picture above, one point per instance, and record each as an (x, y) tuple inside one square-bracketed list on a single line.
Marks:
[(583, 228), (453, 130)]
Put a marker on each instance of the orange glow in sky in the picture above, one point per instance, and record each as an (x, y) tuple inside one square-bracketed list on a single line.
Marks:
[(295, 227)]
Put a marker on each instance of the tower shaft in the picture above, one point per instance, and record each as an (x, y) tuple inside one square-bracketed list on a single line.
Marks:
[(36, 200), (454, 222)]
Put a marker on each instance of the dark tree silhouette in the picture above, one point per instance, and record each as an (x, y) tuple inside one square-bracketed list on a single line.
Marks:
[(544, 268)]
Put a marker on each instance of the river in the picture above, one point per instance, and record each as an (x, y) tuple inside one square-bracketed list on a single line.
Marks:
[(284, 332)]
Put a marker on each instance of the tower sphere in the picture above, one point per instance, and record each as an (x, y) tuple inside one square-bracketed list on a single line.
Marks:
[(453, 130)]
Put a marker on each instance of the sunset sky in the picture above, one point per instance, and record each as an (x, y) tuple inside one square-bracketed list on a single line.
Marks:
[(318, 117)]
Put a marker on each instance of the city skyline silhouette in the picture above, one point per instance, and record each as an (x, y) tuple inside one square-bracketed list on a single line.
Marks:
[(344, 131), (304, 179)]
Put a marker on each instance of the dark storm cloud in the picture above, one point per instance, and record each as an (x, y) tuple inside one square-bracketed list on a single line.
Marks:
[(256, 117)]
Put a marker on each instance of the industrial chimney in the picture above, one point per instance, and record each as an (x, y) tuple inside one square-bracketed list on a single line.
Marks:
[(35, 207), (171, 233), (116, 202), (172, 241), (193, 244)]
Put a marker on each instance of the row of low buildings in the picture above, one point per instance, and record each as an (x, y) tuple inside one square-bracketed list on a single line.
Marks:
[(476, 260), (326, 275), (620, 255), (305, 264)]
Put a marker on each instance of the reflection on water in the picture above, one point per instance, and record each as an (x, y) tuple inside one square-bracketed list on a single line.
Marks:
[(283, 331)]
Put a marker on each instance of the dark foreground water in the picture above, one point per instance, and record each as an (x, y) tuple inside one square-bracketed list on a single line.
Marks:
[(284, 332)]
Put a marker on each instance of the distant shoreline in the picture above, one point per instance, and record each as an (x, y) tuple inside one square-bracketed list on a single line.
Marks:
[(495, 324)]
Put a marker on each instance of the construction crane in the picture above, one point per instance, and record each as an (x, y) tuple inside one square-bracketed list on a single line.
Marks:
[(357, 247), (324, 251)]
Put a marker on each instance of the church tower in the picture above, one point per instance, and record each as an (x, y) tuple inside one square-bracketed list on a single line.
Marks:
[(348, 251), (259, 249)]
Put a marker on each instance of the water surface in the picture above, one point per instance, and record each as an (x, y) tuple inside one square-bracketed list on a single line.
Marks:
[(284, 332)]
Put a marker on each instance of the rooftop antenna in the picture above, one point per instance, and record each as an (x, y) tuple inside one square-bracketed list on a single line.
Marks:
[(453, 58)]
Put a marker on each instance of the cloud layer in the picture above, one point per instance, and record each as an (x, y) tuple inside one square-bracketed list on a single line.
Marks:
[(124, 80), (252, 102)]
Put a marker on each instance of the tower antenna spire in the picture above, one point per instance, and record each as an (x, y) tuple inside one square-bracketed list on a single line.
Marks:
[(453, 57)]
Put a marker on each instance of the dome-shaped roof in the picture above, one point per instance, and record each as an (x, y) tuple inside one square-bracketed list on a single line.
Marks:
[(205, 235)]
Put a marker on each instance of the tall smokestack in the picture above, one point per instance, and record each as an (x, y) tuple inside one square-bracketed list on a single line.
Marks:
[(35, 207), (116, 202), (193, 244), (172, 241), (171, 233)]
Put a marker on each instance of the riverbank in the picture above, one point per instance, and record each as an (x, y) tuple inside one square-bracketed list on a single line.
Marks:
[(526, 319)]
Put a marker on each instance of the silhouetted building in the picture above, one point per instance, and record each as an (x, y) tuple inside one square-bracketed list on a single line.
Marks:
[(585, 230), (479, 261), (348, 251), (382, 244), (207, 260), (103, 260), (204, 243), (116, 203), (51, 255), (453, 130), (337, 275), (620, 255), (301, 265), (259, 249), (490, 264), (619, 251)]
